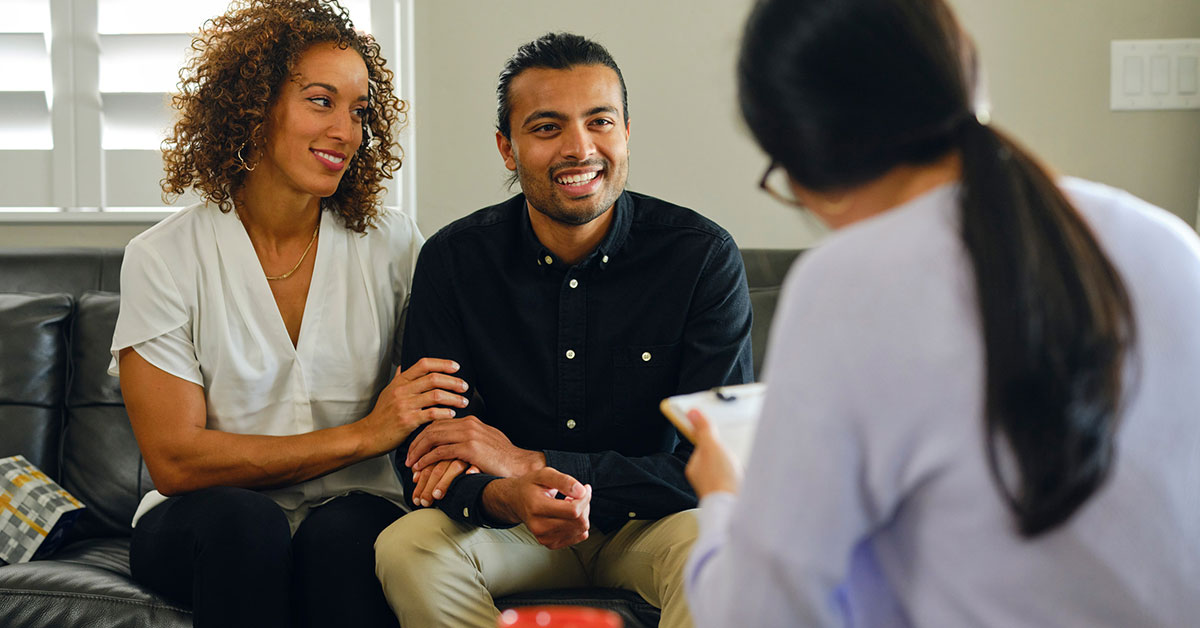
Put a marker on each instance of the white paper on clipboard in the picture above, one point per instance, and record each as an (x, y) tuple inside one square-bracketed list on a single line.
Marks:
[(733, 410)]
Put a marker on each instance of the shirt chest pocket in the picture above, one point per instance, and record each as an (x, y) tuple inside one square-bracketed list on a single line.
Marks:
[(642, 376)]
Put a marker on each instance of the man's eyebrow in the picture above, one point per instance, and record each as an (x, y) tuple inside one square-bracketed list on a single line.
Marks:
[(331, 89), (542, 113), (558, 115)]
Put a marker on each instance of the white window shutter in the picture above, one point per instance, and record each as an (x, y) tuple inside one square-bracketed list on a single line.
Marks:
[(85, 103)]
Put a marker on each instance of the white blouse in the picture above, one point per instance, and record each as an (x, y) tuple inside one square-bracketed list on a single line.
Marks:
[(196, 304)]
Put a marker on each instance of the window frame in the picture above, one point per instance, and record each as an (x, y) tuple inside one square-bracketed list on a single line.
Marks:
[(75, 167)]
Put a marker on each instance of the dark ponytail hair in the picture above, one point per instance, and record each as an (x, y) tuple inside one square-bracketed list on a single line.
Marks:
[(840, 92)]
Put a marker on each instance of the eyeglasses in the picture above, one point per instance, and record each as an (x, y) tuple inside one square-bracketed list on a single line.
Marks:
[(775, 181)]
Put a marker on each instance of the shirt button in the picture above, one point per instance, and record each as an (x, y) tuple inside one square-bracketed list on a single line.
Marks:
[(466, 512), (549, 260), (570, 354), (632, 514), (604, 259), (570, 424), (646, 357), (574, 283)]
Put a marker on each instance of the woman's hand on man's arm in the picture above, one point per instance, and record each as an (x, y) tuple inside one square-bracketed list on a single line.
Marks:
[(169, 417), (414, 397)]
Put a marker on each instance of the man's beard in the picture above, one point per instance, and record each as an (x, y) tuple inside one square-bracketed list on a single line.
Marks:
[(542, 193)]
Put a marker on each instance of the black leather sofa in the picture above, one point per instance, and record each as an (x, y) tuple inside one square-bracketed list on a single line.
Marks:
[(61, 410)]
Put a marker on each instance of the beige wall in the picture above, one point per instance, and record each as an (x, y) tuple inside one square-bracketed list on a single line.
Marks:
[(1047, 61), (1048, 65), (1049, 73), (687, 144)]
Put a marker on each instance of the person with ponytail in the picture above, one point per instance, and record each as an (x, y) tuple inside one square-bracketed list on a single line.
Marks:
[(982, 387)]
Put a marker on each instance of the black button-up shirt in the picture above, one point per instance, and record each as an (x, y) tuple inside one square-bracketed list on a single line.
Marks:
[(574, 360)]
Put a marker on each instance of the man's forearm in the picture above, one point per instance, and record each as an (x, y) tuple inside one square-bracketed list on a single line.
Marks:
[(530, 461), (497, 501)]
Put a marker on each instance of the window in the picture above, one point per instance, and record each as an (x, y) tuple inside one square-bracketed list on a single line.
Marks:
[(85, 101)]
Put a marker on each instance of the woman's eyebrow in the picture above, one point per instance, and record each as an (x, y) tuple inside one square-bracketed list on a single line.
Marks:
[(324, 85), (327, 86)]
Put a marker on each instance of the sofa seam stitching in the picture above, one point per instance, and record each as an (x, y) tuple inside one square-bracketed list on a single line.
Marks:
[(91, 596)]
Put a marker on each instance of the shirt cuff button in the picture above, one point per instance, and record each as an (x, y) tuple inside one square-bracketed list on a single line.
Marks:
[(632, 514), (466, 512)]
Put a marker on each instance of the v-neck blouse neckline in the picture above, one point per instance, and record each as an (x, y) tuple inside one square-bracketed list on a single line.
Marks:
[(258, 289)]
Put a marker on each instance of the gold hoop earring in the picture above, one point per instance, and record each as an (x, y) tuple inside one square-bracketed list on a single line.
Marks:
[(246, 167)]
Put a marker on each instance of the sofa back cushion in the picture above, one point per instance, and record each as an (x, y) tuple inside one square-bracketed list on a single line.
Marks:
[(101, 462), (33, 376), (72, 271), (765, 271)]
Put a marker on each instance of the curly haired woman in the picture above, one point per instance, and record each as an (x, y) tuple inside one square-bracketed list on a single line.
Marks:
[(257, 329)]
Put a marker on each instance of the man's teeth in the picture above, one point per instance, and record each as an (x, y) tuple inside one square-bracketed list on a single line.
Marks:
[(334, 158), (576, 179)]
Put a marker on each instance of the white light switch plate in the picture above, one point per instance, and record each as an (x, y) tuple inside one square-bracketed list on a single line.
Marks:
[(1155, 74)]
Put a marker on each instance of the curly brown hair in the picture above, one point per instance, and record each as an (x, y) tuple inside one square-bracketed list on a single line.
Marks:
[(227, 88)]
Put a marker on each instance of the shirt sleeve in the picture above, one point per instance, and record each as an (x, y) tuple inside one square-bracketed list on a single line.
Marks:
[(440, 336), (779, 553), (153, 318), (463, 501), (716, 351)]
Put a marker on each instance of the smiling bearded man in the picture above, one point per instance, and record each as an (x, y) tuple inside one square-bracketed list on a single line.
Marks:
[(573, 309)]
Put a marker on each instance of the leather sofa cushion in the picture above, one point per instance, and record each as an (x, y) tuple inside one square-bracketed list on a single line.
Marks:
[(91, 337), (73, 271), (762, 302), (86, 584), (765, 271), (101, 462), (33, 375)]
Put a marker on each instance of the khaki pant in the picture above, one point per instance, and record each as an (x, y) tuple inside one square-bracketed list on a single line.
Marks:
[(438, 572)]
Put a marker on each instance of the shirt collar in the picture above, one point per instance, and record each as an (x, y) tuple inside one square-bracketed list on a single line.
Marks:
[(604, 254)]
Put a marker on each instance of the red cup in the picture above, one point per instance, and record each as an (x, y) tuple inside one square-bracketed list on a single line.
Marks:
[(559, 617)]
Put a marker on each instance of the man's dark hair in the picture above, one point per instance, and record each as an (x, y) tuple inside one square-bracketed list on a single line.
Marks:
[(555, 51)]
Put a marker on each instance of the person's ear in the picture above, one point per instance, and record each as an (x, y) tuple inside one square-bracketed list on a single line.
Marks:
[(506, 151)]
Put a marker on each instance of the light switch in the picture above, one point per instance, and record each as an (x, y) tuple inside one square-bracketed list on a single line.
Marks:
[(1160, 74), (1155, 74), (1133, 75), (1189, 74)]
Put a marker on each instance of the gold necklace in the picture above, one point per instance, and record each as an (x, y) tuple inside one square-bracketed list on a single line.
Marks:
[(302, 256)]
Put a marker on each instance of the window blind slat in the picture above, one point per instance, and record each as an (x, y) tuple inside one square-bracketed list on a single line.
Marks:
[(114, 64), (25, 181), (142, 63), (25, 121), (152, 16), (25, 16), (131, 180), (135, 120), (26, 61)]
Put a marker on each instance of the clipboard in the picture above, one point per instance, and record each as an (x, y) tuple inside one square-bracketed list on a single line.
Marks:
[(733, 410)]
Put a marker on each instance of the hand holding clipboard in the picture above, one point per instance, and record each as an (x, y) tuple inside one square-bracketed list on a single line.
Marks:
[(733, 410)]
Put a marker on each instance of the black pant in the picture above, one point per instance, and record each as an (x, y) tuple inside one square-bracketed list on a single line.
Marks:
[(229, 555)]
